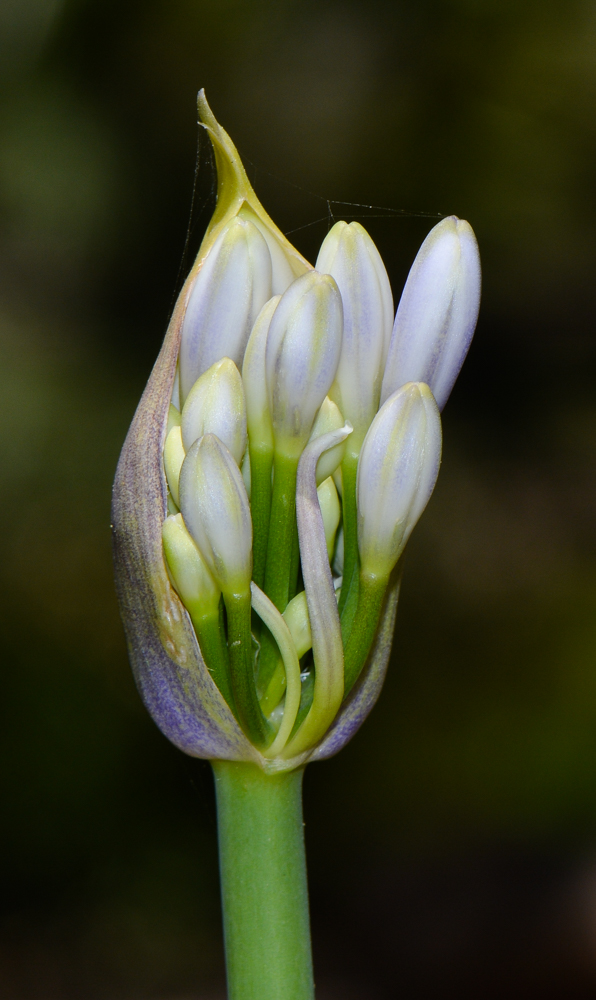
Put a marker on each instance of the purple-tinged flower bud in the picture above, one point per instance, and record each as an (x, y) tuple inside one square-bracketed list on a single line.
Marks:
[(215, 405), (437, 313), (229, 291), (349, 255), (216, 512), (303, 348), (397, 471)]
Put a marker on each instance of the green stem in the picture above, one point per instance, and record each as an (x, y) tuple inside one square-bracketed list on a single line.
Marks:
[(281, 570), (211, 634), (370, 603), (282, 527), (249, 712), (261, 461), (263, 883), (349, 470), (350, 605)]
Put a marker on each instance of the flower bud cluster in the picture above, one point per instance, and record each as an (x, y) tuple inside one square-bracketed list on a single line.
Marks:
[(301, 448)]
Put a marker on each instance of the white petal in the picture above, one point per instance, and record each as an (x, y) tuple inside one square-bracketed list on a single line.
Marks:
[(350, 256), (437, 313), (398, 467), (216, 512), (229, 291), (215, 405), (303, 347)]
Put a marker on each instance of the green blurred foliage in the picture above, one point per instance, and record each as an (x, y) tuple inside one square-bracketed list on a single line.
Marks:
[(483, 745)]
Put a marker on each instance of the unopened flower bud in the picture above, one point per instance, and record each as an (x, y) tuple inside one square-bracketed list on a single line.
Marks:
[(216, 512), (191, 578), (228, 293), (282, 271), (397, 471), (254, 378), (174, 454), (303, 348), (174, 418), (351, 257), (215, 405), (328, 419), (330, 511), (437, 313)]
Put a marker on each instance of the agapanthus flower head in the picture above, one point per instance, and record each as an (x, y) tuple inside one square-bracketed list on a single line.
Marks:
[(285, 446)]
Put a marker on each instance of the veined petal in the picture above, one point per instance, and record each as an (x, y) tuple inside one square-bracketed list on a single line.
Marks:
[(397, 471), (215, 405), (303, 348), (437, 313), (350, 256), (216, 512)]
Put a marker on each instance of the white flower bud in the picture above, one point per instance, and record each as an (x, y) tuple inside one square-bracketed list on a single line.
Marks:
[(174, 418), (254, 378), (192, 580), (216, 512), (215, 405), (229, 291), (437, 313), (303, 348), (330, 511), (328, 419), (173, 456), (397, 471), (282, 274), (350, 256)]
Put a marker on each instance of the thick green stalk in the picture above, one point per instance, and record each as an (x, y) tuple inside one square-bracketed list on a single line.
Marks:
[(282, 528), (371, 593), (249, 712), (212, 641), (263, 883), (281, 570), (261, 461)]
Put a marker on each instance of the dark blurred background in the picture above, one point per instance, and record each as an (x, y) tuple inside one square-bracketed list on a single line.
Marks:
[(452, 845)]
